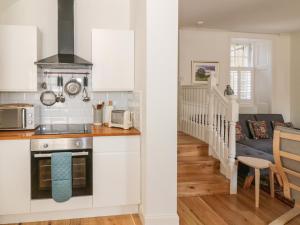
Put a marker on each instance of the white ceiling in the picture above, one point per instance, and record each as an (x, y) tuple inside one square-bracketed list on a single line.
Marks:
[(258, 16)]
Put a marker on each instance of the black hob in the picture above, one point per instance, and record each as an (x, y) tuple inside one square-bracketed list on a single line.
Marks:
[(64, 129)]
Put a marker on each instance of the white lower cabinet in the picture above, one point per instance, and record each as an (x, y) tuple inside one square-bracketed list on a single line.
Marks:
[(116, 171), (14, 177)]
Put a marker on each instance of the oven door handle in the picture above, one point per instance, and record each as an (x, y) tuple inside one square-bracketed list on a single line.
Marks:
[(49, 155)]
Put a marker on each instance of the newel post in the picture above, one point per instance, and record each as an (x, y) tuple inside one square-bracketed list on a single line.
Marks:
[(232, 117), (211, 85)]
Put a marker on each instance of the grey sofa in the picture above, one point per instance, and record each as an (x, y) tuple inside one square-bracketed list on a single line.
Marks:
[(262, 148)]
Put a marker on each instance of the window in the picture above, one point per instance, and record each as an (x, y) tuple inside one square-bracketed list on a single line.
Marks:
[(242, 71)]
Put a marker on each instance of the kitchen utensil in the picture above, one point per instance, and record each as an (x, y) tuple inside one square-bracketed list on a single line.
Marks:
[(85, 96), (72, 87), (44, 85), (98, 114), (62, 97), (48, 98), (58, 93)]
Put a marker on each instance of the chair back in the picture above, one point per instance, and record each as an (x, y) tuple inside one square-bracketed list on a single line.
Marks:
[(286, 150)]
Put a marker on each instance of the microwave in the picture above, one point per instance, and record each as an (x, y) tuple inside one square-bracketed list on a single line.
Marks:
[(121, 119), (19, 117)]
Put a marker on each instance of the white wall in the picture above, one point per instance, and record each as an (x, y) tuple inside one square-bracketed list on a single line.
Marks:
[(156, 27), (281, 101), (295, 78), (203, 45), (214, 45), (88, 14)]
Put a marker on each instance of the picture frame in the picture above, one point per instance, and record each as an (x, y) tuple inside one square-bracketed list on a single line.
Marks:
[(201, 71)]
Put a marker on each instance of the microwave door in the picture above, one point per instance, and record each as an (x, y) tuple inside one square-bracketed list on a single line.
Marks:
[(12, 119)]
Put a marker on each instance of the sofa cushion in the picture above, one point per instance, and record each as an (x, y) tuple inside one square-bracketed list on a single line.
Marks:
[(281, 124), (239, 133), (244, 150), (243, 120), (264, 145), (259, 129), (269, 118)]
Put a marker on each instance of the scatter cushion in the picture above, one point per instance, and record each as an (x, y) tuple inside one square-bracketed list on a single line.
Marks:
[(281, 124), (259, 129), (240, 135)]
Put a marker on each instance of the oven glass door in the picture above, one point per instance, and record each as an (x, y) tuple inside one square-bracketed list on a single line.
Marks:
[(41, 175)]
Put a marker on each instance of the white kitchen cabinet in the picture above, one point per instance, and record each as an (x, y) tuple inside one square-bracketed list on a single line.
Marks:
[(113, 60), (14, 177), (116, 171), (19, 51)]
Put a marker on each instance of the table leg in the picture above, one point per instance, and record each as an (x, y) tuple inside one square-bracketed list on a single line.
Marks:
[(271, 174), (257, 185)]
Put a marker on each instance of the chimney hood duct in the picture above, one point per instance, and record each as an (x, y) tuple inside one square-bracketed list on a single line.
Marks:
[(65, 59)]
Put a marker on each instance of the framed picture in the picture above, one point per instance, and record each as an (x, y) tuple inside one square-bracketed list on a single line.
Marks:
[(201, 71)]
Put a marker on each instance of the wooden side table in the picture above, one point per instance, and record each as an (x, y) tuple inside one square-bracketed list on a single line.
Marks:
[(258, 164)]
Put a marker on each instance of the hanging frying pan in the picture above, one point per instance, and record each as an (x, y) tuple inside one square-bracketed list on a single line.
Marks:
[(48, 98)]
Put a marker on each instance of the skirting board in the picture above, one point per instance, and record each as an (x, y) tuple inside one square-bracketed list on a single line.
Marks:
[(71, 214), (160, 220)]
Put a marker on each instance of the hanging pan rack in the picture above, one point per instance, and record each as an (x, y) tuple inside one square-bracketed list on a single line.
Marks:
[(67, 73)]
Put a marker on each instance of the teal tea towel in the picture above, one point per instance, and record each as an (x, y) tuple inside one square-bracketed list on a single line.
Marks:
[(61, 175)]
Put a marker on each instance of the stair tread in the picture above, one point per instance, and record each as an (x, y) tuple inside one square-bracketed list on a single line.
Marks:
[(189, 140), (196, 159), (205, 185), (200, 189), (209, 178)]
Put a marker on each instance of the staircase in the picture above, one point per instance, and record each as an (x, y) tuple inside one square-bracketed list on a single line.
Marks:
[(198, 173), (206, 114)]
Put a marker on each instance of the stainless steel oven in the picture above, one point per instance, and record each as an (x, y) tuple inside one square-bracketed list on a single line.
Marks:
[(82, 165)]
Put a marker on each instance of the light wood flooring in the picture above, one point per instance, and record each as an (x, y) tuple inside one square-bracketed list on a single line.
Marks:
[(223, 209), (220, 209), (113, 220)]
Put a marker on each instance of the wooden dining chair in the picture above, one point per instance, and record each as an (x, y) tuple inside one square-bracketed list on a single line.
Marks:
[(286, 150)]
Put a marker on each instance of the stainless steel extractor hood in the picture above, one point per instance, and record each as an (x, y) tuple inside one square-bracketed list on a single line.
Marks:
[(65, 59)]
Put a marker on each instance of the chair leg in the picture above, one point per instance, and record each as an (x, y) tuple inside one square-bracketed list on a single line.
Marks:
[(285, 218), (279, 179), (272, 190), (248, 182), (257, 185)]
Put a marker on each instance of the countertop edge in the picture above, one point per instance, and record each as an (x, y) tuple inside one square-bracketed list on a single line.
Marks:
[(98, 132)]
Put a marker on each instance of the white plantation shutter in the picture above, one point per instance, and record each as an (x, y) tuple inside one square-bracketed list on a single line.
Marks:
[(242, 71), (234, 79), (246, 85)]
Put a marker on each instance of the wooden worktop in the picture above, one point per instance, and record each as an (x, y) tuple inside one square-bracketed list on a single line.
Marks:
[(96, 131)]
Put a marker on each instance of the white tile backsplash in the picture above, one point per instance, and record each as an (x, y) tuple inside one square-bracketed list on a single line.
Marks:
[(74, 110)]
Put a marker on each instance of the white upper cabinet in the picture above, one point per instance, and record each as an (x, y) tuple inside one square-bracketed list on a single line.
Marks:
[(113, 59), (18, 52)]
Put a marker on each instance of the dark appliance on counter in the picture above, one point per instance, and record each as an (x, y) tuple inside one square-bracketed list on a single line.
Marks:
[(82, 160)]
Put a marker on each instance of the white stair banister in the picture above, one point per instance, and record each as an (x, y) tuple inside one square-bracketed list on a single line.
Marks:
[(205, 113), (233, 117)]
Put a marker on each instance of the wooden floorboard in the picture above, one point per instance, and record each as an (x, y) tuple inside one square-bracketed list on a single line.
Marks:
[(111, 220), (227, 209), (220, 209)]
